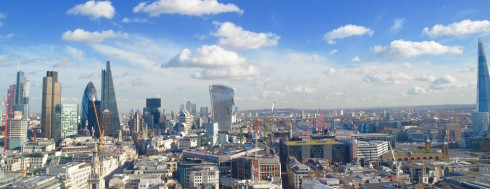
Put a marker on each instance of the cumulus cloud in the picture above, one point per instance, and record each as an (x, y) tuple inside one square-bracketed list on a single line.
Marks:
[(3, 57), (464, 27), (80, 35), (397, 25), (205, 57), (186, 7), (92, 75), (228, 73), (330, 71), (416, 91), (346, 31), (407, 49), (235, 37), (94, 9), (444, 82), (387, 78), (429, 78), (355, 59), (332, 52)]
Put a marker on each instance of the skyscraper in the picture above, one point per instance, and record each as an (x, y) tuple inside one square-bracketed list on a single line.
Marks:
[(89, 94), (109, 97), (222, 102), (21, 100), (106, 123), (66, 121), (480, 116), (153, 106), (51, 96), (16, 131)]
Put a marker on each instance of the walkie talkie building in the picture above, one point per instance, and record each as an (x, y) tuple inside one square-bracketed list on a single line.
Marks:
[(222, 102)]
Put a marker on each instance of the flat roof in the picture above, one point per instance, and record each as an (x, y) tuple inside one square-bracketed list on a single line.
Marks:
[(312, 142)]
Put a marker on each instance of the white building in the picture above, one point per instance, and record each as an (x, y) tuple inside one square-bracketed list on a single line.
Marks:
[(38, 146), (78, 173), (212, 133), (372, 150), (204, 176)]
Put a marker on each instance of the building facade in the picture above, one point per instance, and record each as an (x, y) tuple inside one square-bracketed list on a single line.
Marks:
[(108, 100), (16, 131), (480, 115), (66, 121), (89, 94), (222, 102), (154, 106), (51, 97)]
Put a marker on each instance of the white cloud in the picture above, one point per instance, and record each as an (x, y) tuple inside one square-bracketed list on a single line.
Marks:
[(429, 78), (346, 31), (186, 7), (416, 90), (355, 59), (3, 57), (444, 82), (125, 55), (331, 71), (134, 20), (387, 78), (407, 64), (332, 52), (94, 9), (205, 57), (81, 35), (316, 57), (464, 27), (304, 90), (234, 37), (272, 94), (397, 25), (228, 73), (409, 49)]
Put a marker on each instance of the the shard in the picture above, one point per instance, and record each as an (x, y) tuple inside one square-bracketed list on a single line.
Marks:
[(480, 116), (108, 98)]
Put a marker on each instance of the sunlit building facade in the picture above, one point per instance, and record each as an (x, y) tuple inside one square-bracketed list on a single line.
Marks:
[(65, 121), (222, 102), (480, 116)]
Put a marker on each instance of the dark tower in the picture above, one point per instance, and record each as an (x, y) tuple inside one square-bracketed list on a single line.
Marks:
[(109, 98)]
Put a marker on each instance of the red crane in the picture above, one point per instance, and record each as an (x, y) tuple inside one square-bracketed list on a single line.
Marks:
[(313, 121), (7, 114)]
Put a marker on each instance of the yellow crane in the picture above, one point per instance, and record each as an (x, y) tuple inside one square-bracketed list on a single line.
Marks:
[(101, 132)]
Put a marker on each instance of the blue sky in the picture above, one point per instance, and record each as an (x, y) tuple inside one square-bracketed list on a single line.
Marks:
[(311, 54)]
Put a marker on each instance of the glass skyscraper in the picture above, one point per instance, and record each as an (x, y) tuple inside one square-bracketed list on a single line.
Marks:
[(88, 95), (21, 99), (480, 116), (65, 121), (16, 131), (108, 100), (222, 102), (153, 106)]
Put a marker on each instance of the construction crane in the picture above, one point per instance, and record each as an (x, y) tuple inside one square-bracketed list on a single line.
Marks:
[(7, 114), (101, 132), (313, 121), (397, 165)]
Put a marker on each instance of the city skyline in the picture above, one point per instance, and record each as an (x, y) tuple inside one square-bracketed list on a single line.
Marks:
[(333, 59)]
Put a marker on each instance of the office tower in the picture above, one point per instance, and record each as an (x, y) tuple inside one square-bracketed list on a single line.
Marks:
[(89, 94), (148, 119), (65, 121), (134, 124), (16, 131), (109, 97), (222, 102), (51, 97), (92, 117), (106, 122), (193, 109), (181, 108), (188, 106), (480, 116), (204, 112), (185, 121), (21, 100), (153, 106)]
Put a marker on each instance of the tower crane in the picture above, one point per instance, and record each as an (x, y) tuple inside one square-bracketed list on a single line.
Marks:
[(397, 165), (323, 123), (101, 132)]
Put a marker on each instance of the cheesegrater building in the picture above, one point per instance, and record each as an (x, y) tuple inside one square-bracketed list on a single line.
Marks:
[(108, 100)]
